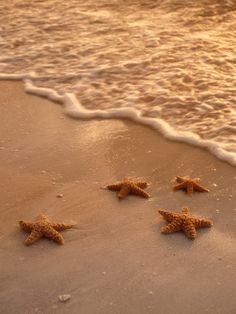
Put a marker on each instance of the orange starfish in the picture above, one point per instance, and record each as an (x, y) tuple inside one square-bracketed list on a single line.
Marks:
[(184, 221), (42, 227), (127, 187), (190, 185)]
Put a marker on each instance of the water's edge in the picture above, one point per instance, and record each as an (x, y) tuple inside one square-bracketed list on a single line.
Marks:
[(74, 108)]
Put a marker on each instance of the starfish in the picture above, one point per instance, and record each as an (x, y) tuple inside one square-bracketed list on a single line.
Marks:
[(184, 221), (190, 185), (127, 186), (42, 227)]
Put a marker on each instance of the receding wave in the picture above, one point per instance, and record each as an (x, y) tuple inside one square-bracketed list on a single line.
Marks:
[(169, 64)]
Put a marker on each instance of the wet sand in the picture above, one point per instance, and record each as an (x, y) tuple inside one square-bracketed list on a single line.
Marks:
[(115, 260)]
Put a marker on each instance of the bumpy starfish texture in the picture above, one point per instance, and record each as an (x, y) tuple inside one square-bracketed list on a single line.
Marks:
[(42, 227), (184, 221), (189, 185), (127, 186)]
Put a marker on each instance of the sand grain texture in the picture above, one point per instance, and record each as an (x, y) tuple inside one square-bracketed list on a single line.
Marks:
[(115, 260)]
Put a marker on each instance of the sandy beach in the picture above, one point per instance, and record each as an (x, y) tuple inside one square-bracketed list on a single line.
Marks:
[(115, 260)]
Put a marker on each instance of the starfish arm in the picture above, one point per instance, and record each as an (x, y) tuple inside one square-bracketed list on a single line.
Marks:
[(180, 186), (189, 229), (60, 226), (142, 185), (185, 210), (168, 216), (202, 223), (200, 188), (174, 226), (190, 188), (124, 191), (42, 217), (26, 225), (140, 192), (114, 187), (180, 179), (33, 237), (51, 233)]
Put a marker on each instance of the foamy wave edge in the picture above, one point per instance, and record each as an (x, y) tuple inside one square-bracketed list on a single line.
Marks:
[(74, 108)]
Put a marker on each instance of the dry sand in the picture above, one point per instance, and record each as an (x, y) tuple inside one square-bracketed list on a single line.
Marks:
[(115, 260)]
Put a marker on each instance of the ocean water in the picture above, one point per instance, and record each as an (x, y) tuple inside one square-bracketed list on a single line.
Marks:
[(169, 64)]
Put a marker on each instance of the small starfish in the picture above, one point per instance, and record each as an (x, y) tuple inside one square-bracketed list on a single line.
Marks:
[(184, 221), (190, 185), (42, 227), (127, 187)]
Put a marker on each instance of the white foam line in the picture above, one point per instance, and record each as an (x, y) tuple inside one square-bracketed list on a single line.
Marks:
[(30, 88), (43, 92), (75, 109), (16, 77)]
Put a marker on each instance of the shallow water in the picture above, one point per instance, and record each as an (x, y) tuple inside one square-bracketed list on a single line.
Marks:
[(173, 60)]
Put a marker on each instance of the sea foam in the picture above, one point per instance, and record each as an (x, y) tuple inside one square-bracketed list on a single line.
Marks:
[(160, 63), (74, 108)]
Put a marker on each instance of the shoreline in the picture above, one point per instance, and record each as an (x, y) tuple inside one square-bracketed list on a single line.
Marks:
[(74, 109), (115, 260)]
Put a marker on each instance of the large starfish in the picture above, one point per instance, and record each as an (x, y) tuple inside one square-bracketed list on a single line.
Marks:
[(184, 221), (190, 185), (42, 227), (127, 186)]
